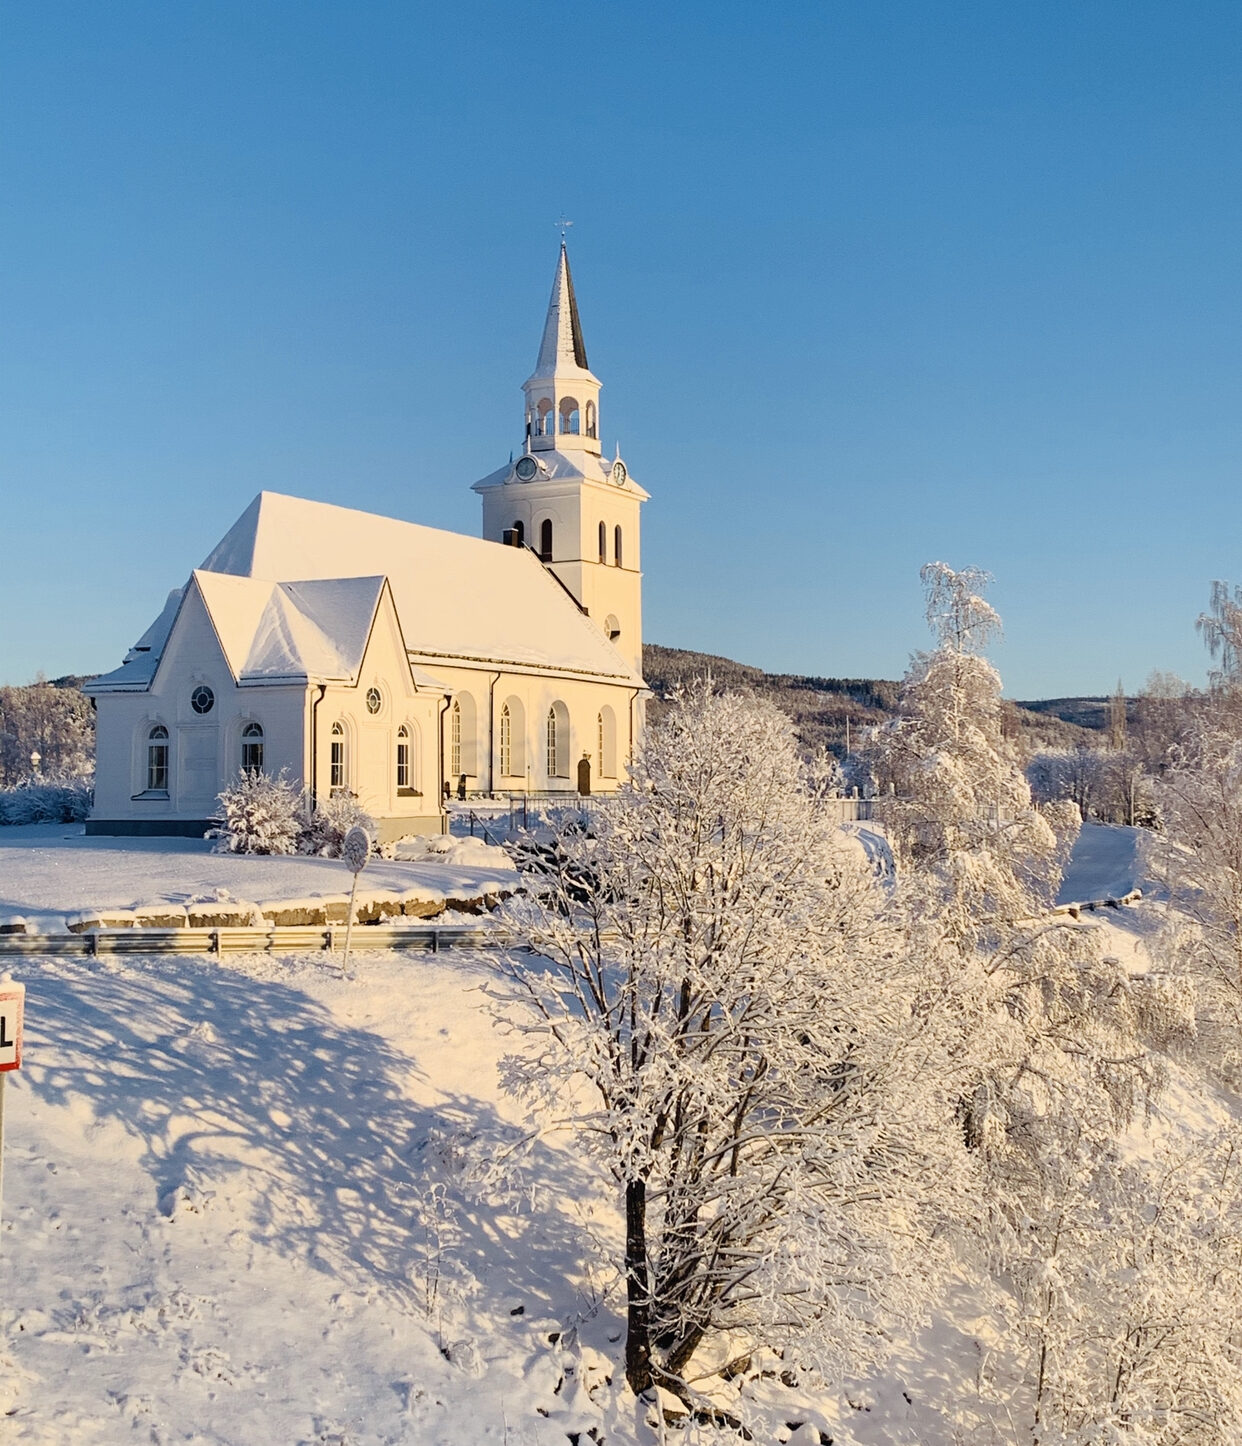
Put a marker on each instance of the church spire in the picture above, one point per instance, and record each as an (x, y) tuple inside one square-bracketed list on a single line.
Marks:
[(562, 396), (562, 343)]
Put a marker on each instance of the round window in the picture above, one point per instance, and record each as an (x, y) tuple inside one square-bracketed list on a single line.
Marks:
[(374, 701), (202, 699)]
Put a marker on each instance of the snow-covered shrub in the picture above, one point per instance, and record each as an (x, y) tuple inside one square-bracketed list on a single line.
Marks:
[(331, 821), (50, 801), (259, 814)]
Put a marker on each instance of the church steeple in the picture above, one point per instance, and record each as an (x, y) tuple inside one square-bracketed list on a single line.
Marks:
[(562, 343), (561, 497), (562, 394)]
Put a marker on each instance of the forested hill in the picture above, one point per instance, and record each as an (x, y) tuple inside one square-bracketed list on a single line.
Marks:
[(824, 710)]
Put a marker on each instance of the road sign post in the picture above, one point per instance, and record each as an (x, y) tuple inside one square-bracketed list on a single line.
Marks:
[(355, 851), (12, 1008)]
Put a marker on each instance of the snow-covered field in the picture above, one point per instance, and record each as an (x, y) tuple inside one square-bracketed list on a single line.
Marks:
[(49, 872), (236, 1211), (248, 1201)]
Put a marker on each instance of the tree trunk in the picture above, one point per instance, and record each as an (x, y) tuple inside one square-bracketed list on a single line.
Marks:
[(638, 1289)]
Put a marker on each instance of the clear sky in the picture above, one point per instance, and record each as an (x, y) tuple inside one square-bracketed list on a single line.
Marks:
[(867, 285)]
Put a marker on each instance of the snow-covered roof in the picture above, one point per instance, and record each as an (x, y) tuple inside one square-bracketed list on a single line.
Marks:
[(458, 598), (283, 630), (293, 586), (272, 632)]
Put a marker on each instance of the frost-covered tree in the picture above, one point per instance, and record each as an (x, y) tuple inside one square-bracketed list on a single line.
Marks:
[(259, 814), (959, 812), (51, 719), (727, 1011), (1130, 1311), (1060, 1051), (1221, 630)]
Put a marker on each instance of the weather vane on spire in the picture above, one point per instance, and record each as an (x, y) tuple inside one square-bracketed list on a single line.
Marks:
[(564, 225)]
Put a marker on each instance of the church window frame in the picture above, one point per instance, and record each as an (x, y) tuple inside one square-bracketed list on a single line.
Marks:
[(252, 741), (552, 741), (520, 529), (616, 546), (406, 756), (506, 742), (202, 699), (338, 759), (544, 417), (606, 737), (603, 542), (374, 701), (546, 538), (455, 739), (557, 749), (158, 754), (592, 427), (569, 417)]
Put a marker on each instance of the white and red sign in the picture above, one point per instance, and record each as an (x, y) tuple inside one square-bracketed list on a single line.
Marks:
[(12, 1003)]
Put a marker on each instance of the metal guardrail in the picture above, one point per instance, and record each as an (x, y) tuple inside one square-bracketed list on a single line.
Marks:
[(287, 940)]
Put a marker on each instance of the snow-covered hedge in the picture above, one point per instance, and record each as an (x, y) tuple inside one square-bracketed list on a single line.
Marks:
[(329, 824), (64, 801), (264, 815)]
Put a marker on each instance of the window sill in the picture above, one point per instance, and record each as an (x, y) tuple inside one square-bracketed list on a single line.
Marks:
[(149, 793), (409, 793)]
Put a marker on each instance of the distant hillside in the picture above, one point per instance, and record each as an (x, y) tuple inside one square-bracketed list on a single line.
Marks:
[(827, 710)]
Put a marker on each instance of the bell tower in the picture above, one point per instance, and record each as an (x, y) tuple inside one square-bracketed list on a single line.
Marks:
[(562, 393), (561, 497)]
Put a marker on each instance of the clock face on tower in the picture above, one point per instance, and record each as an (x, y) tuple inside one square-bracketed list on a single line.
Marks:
[(619, 473), (525, 468)]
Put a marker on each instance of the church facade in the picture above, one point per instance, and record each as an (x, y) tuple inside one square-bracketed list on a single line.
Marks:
[(366, 655)]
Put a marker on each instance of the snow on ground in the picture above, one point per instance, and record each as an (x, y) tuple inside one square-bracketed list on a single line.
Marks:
[(1106, 864), (235, 1213), (50, 871), (246, 1202)]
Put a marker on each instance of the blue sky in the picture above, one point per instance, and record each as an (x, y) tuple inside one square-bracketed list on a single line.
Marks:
[(866, 284)]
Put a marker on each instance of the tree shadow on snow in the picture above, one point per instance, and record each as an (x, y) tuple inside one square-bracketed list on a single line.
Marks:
[(250, 1097)]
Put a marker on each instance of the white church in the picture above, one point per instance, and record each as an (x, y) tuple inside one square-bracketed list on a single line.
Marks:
[(398, 663)]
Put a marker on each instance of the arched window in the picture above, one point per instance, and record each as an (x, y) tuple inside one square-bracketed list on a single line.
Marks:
[(569, 416), (603, 543), (506, 742), (404, 776), (616, 545), (543, 419), (558, 749), (252, 748), (545, 539), (455, 740), (553, 740), (511, 739), (612, 627), (590, 419), (521, 533), (336, 776), (157, 759), (606, 740)]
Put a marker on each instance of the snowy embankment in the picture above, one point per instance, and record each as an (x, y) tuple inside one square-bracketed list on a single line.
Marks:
[(51, 874)]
